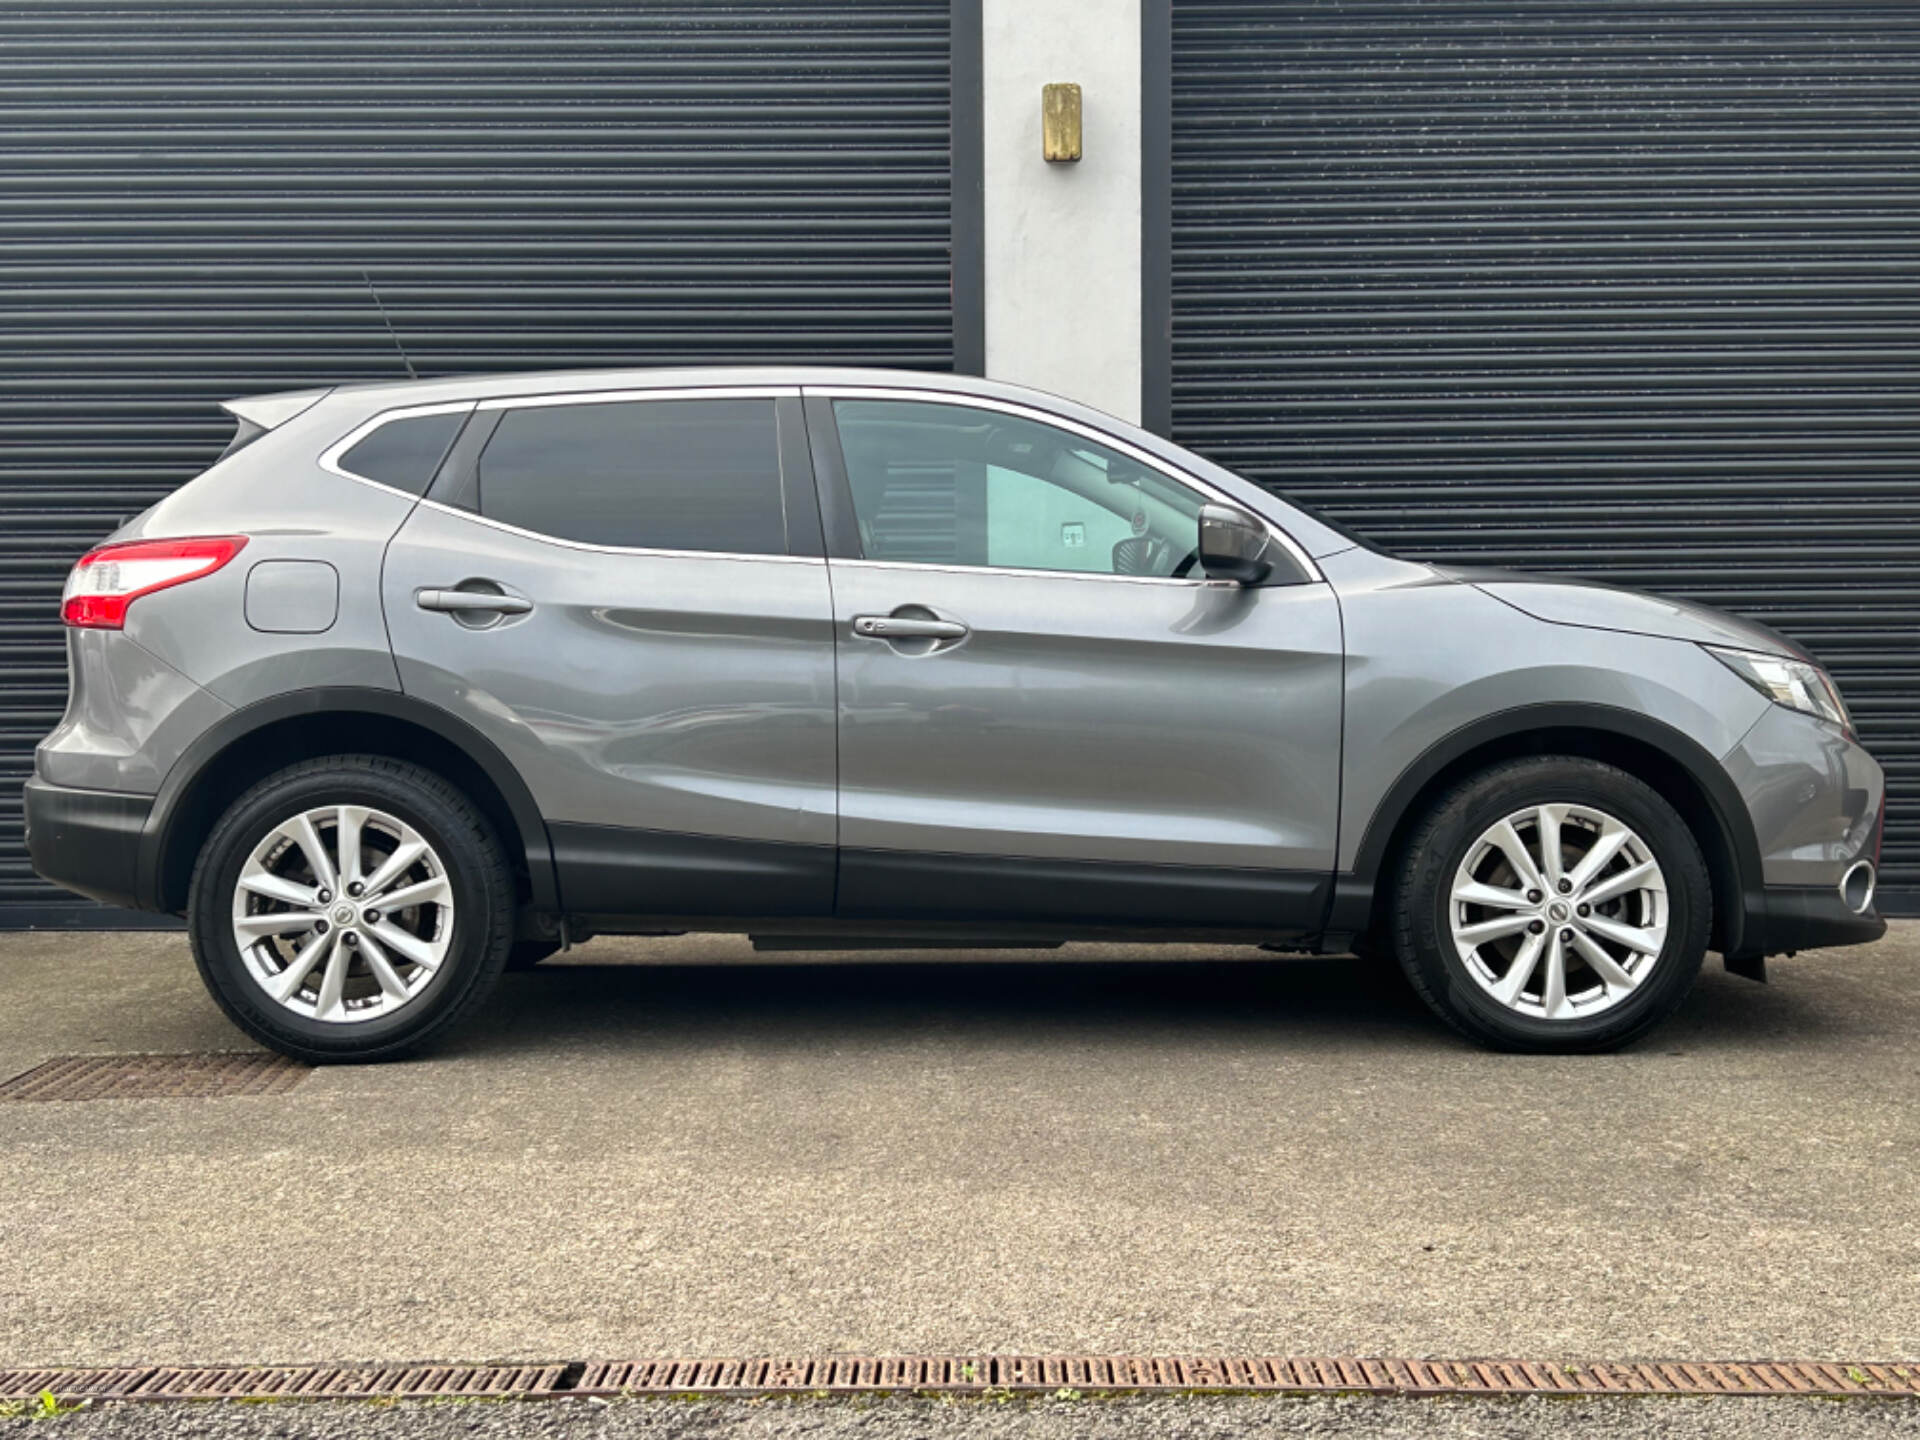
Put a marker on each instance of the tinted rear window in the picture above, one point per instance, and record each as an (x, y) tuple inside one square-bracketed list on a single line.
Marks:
[(404, 453), (648, 474)]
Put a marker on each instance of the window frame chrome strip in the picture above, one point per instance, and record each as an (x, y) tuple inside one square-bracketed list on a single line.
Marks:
[(331, 456)]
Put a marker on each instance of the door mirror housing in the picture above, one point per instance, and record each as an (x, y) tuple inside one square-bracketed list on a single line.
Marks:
[(1234, 545)]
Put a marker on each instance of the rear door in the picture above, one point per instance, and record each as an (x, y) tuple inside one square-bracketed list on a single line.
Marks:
[(626, 594), (1046, 713)]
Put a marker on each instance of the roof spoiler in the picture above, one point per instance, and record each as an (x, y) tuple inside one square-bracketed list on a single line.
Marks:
[(269, 412)]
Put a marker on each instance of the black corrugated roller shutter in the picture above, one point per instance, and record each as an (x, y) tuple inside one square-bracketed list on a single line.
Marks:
[(1625, 290), (190, 192)]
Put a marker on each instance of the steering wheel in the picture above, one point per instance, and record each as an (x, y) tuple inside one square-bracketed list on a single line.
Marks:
[(1192, 559)]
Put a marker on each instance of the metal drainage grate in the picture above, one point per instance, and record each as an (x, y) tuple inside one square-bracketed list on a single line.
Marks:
[(155, 1077), (862, 1374), (308, 1382), (853, 1374)]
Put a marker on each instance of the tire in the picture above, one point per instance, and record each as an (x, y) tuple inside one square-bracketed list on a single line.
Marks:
[(387, 1000), (1469, 963), (526, 954)]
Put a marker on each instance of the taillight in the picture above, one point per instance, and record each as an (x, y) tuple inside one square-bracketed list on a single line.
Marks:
[(109, 579)]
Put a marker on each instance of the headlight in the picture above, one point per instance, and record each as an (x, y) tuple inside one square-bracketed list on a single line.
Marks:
[(1792, 683)]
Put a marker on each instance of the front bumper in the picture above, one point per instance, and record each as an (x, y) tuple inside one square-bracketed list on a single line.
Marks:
[(1782, 919), (87, 840)]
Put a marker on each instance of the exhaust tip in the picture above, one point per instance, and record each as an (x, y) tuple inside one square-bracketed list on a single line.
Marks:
[(1856, 887)]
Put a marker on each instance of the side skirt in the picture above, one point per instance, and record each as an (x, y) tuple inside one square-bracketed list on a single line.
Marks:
[(1083, 895), (611, 871), (615, 879)]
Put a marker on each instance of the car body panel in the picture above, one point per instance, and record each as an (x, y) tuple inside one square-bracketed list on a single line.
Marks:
[(687, 693), (275, 492), (1565, 601), (1815, 797), (1428, 656), (1092, 718), (129, 716), (331, 710)]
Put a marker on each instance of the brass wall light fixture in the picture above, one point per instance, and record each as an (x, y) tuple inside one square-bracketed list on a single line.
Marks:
[(1060, 122)]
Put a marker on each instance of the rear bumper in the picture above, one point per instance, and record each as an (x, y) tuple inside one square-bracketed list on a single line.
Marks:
[(1784, 918), (87, 841)]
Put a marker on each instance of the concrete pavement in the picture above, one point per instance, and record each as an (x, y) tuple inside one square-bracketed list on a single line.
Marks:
[(673, 1146), (1087, 1419)]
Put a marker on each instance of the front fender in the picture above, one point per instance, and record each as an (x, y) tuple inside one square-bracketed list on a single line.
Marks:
[(1437, 669)]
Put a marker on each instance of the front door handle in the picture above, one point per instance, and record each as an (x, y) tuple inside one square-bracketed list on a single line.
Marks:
[(907, 627), (466, 602)]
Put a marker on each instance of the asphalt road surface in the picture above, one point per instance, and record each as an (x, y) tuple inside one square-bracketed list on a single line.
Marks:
[(673, 1147)]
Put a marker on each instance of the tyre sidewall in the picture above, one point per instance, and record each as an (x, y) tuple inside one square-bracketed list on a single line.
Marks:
[(1467, 816), (477, 933)]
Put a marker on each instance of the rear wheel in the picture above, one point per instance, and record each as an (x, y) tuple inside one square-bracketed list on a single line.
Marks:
[(350, 908), (1549, 904)]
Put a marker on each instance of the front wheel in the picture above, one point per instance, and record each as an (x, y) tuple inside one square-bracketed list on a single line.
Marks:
[(1552, 904), (350, 908)]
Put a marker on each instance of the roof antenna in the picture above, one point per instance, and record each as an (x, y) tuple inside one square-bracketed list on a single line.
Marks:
[(387, 319)]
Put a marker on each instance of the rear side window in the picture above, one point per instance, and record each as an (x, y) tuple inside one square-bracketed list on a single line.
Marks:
[(644, 474), (404, 453)]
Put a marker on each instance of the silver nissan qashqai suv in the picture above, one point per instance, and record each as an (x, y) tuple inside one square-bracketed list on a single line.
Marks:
[(421, 681)]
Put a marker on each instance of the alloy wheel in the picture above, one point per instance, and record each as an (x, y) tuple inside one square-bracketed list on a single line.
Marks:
[(1559, 912), (343, 913)]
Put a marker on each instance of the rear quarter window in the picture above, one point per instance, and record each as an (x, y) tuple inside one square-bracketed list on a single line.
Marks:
[(404, 453)]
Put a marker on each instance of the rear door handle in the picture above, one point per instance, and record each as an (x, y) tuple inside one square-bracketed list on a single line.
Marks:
[(459, 602), (904, 627)]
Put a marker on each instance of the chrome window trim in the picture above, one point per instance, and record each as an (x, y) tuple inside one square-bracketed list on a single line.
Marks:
[(1188, 581), (931, 395), (502, 526), (330, 457), (618, 397)]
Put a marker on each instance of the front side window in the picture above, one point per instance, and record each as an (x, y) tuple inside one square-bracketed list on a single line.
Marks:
[(643, 474), (951, 484)]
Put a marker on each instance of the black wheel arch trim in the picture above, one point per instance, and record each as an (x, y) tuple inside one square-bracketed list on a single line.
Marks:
[(347, 700), (1744, 931)]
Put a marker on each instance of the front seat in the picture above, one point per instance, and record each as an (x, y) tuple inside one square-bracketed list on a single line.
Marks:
[(1139, 555)]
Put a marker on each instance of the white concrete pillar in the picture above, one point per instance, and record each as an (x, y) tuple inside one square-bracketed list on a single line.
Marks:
[(1062, 241)]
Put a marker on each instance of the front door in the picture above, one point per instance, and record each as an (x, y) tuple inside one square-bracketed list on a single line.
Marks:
[(1046, 714), (618, 593)]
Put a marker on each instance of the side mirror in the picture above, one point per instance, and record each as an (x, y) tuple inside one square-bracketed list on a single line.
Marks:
[(1234, 545)]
